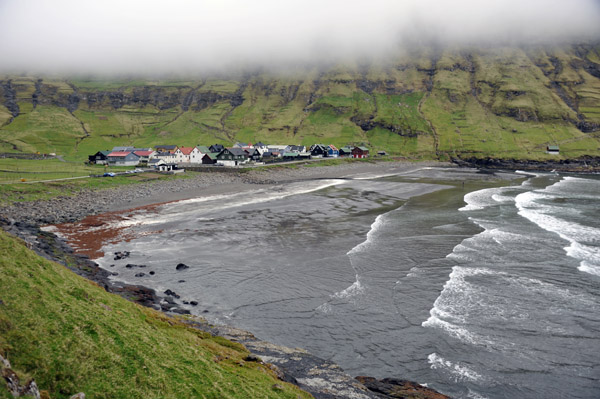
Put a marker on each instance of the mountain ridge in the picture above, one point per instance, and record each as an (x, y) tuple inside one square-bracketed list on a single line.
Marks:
[(452, 103)]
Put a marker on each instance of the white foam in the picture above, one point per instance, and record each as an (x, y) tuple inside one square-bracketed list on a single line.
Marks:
[(375, 226), (481, 199), (355, 289), (458, 370), (452, 308), (584, 240)]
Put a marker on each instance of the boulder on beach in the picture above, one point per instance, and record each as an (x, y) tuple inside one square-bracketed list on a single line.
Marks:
[(181, 266)]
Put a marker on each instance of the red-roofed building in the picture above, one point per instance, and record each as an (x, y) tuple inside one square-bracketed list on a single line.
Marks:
[(188, 155), (145, 155)]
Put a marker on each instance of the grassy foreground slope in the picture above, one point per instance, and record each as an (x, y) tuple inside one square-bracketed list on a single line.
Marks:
[(71, 336), (500, 102)]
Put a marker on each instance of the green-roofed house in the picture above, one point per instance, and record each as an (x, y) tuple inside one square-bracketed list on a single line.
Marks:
[(346, 151), (552, 149), (210, 158), (203, 149)]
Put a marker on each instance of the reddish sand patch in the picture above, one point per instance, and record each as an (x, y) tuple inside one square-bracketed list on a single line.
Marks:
[(89, 235)]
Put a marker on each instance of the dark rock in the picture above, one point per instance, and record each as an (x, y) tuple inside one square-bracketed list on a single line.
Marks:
[(131, 265), (172, 293), (152, 273), (253, 358), (181, 266), (194, 303), (181, 281), (121, 255), (395, 388), (140, 274), (180, 311)]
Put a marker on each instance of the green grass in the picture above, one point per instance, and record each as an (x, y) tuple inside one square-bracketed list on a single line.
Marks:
[(72, 336), (13, 170), (499, 102)]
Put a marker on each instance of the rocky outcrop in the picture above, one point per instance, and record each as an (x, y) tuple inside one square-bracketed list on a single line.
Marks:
[(13, 382), (583, 164), (367, 124), (10, 97), (395, 388), (321, 378)]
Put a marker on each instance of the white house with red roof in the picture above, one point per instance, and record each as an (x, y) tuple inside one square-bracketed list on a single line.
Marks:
[(188, 155)]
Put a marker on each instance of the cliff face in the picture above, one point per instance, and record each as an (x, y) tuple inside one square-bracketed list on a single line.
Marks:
[(506, 102)]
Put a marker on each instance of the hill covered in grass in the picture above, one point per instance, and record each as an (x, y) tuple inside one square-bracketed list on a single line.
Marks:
[(72, 336), (429, 104)]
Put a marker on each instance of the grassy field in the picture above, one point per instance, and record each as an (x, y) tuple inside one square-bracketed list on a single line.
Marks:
[(51, 178), (72, 336), (502, 102)]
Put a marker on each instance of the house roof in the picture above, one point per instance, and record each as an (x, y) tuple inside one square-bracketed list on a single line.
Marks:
[(362, 148), (333, 147), (211, 155), (186, 150), (203, 149), (122, 149), (237, 151), (166, 147), (143, 153), (552, 148), (120, 154), (155, 161)]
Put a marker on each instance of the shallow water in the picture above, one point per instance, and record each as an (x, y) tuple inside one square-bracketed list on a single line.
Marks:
[(477, 291)]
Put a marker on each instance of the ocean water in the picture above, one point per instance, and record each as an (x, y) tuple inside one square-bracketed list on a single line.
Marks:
[(477, 290)]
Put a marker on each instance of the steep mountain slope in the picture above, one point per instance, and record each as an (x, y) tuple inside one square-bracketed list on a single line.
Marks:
[(501, 103)]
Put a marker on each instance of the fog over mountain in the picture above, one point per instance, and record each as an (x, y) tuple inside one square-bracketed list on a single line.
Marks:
[(187, 36)]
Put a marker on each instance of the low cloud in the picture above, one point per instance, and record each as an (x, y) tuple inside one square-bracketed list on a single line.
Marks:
[(194, 36)]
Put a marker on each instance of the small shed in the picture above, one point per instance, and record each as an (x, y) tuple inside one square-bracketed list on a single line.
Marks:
[(552, 149)]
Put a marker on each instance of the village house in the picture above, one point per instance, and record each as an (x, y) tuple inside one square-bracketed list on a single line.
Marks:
[(332, 151), (122, 149), (210, 158), (123, 158), (202, 149), (261, 146), (165, 148), (167, 157), (99, 158), (232, 156), (319, 150), (144, 155), (552, 149), (216, 148), (360, 152), (188, 155), (156, 163), (346, 151)]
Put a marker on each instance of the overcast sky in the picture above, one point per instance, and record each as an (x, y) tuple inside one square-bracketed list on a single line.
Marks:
[(151, 36)]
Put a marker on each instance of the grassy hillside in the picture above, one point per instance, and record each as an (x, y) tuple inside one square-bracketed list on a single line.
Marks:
[(502, 103), (71, 336)]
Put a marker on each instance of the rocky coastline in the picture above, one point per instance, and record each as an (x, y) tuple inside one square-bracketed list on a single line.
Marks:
[(586, 164), (321, 378)]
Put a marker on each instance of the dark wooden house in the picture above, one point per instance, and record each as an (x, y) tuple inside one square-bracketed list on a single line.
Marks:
[(360, 152)]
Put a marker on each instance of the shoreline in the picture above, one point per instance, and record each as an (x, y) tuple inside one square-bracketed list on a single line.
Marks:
[(315, 375)]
